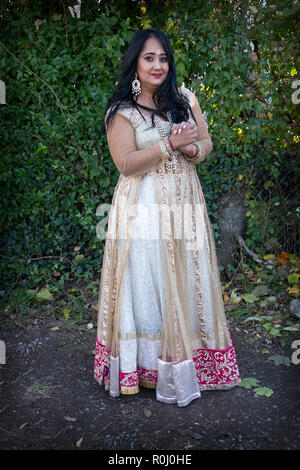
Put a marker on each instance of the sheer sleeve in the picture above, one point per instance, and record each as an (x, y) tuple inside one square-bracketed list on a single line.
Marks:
[(122, 146), (204, 142)]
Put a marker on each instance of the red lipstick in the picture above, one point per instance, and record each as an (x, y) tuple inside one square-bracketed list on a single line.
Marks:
[(157, 75)]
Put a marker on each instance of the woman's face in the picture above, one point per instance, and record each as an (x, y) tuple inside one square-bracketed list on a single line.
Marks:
[(152, 65)]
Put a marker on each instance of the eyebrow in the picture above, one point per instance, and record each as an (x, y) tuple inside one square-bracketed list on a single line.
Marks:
[(162, 53)]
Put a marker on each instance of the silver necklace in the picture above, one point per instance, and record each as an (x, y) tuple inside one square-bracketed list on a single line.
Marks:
[(164, 132)]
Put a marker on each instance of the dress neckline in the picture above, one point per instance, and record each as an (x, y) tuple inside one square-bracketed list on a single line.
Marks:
[(150, 118)]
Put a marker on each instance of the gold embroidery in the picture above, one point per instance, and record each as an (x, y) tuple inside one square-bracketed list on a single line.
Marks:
[(147, 384), (129, 390), (138, 334)]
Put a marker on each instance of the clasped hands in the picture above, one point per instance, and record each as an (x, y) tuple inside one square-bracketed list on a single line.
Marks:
[(182, 137)]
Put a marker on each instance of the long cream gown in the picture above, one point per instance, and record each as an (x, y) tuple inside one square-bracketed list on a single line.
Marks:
[(161, 318)]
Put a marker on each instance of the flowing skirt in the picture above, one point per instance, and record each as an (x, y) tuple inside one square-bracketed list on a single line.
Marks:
[(161, 318)]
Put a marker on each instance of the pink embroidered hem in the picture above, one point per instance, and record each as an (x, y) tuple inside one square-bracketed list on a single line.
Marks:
[(215, 370)]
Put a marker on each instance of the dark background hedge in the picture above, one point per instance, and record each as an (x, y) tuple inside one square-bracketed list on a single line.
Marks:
[(241, 60)]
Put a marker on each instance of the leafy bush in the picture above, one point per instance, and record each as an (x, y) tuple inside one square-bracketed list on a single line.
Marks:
[(56, 169)]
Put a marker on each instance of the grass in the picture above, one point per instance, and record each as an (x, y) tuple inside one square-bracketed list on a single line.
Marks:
[(38, 389)]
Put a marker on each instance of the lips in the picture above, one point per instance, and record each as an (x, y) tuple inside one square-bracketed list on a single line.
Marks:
[(156, 75)]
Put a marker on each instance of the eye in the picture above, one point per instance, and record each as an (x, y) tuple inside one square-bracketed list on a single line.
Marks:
[(148, 57), (164, 59)]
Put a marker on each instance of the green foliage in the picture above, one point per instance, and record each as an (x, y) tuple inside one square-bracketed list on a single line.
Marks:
[(59, 73), (249, 382)]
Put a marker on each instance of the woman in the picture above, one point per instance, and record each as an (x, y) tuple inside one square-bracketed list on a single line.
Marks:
[(161, 319)]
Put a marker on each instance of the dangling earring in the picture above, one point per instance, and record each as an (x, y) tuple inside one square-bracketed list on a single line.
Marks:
[(136, 86)]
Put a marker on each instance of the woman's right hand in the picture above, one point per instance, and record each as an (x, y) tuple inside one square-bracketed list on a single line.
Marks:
[(183, 134)]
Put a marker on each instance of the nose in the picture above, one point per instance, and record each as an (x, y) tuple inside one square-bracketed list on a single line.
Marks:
[(157, 64)]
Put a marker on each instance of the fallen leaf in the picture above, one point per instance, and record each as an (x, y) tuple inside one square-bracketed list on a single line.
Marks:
[(79, 442), (263, 391), (267, 326), (263, 317), (294, 259), (44, 294), (282, 257), (55, 328), (147, 412), (293, 290), (68, 418), (253, 318), (280, 360), (66, 312), (270, 256), (234, 297), (249, 298), (293, 278), (275, 332), (249, 382)]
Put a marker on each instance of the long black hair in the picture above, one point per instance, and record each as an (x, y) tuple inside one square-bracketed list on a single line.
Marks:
[(166, 97)]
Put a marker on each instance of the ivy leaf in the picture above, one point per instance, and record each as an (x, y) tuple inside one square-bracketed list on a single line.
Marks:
[(249, 382), (263, 391), (238, 313), (280, 360), (275, 332), (79, 258), (293, 278), (249, 298)]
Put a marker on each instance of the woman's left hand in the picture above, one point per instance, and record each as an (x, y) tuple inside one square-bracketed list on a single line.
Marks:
[(177, 128)]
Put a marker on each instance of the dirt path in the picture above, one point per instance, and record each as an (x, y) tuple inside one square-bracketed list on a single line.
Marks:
[(50, 400)]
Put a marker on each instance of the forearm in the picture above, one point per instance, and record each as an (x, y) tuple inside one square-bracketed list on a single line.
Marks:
[(123, 150), (137, 162)]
